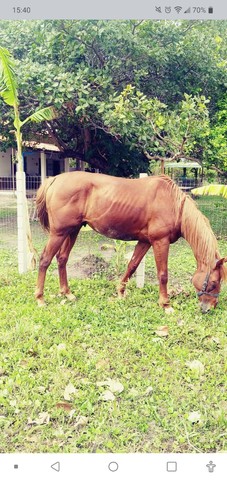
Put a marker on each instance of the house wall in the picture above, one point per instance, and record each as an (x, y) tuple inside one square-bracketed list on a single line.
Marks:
[(53, 165), (32, 162), (5, 163)]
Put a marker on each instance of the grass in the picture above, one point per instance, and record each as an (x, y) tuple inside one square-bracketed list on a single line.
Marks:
[(168, 403)]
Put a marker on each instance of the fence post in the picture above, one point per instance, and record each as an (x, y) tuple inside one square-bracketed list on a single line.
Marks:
[(43, 166), (140, 272), (66, 164), (21, 224)]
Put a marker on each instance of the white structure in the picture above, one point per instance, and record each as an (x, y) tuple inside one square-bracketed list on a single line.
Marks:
[(41, 160)]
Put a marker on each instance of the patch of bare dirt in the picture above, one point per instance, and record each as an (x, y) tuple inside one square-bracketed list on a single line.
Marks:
[(87, 267)]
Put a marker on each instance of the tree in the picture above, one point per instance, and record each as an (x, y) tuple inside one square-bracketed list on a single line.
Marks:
[(217, 149), (160, 134), (79, 66), (9, 93)]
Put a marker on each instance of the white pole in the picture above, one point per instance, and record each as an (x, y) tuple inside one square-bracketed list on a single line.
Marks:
[(140, 272), (21, 223), (43, 166), (66, 164)]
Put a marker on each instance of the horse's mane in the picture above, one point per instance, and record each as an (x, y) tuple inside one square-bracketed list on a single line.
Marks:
[(195, 228)]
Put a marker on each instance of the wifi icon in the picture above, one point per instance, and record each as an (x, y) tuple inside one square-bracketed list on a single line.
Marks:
[(178, 9)]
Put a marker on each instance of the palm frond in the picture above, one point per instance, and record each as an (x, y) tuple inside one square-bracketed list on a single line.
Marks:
[(8, 84), (44, 114), (211, 190)]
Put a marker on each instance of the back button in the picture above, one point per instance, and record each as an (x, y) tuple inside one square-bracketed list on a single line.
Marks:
[(56, 466)]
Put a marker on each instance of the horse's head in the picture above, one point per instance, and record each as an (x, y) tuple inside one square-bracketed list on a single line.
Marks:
[(208, 285)]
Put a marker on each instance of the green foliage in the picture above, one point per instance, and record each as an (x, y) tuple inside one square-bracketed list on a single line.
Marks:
[(83, 68), (44, 114), (217, 153), (148, 124), (9, 93), (8, 84)]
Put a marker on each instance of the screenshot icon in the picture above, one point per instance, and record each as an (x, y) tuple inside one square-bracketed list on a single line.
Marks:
[(211, 466)]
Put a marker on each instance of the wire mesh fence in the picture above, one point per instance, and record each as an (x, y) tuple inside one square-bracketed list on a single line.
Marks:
[(215, 209)]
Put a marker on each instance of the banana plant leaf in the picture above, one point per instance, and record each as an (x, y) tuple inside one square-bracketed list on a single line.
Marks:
[(220, 190)]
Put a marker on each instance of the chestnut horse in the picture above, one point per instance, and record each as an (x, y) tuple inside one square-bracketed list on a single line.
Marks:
[(151, 210)]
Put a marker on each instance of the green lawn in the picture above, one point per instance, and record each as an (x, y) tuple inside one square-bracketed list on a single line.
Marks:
[(167, 392)]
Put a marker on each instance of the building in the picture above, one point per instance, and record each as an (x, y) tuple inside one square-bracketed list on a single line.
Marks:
[(41, 160), (187, 174)]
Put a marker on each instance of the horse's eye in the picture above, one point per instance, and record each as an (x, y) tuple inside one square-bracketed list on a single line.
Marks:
[(212, 286)]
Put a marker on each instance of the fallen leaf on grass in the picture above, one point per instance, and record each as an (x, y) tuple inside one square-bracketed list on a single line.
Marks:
[(173, 292), (91, 352), (33, 439), (69, 390), (194, 417), (63, 302), (61, 346), (81, 421), (107, 396), (64, 405), (180, 322), (196, 366), (43, 418), (133, 393), (102, 364), (149, 391), (162, 331), (107, 246), (114, 385), (24, 362), (32, 353), (41, 389)]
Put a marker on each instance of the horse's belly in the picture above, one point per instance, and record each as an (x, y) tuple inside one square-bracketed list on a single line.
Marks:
[(113, 232)]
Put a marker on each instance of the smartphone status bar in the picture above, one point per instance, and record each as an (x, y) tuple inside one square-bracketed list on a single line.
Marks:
[(126, 9)]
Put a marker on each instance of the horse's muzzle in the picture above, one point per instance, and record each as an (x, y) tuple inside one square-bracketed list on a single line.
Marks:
[(205, 307)]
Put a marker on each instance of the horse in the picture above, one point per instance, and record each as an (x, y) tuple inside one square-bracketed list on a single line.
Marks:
[(152, 210)]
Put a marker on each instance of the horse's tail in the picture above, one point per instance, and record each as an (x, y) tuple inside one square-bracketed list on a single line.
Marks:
[(41, 203)]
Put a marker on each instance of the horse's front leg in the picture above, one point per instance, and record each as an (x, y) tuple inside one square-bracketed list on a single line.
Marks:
[(161, 252), (62, 258), (139, 252)]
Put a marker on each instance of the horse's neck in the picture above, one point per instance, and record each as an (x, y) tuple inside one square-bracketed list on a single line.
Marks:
[(196, 230)]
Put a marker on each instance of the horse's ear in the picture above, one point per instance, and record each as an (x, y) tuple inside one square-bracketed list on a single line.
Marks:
[(221, 262)]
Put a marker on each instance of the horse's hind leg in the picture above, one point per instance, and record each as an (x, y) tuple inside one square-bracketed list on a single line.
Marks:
[(51, 248), (161, 252), (62, 258), (139, 252)]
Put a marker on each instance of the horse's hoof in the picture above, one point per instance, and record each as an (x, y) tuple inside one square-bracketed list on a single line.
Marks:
[(169, 310), (121, 295), (70, 297), (41, 303)]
